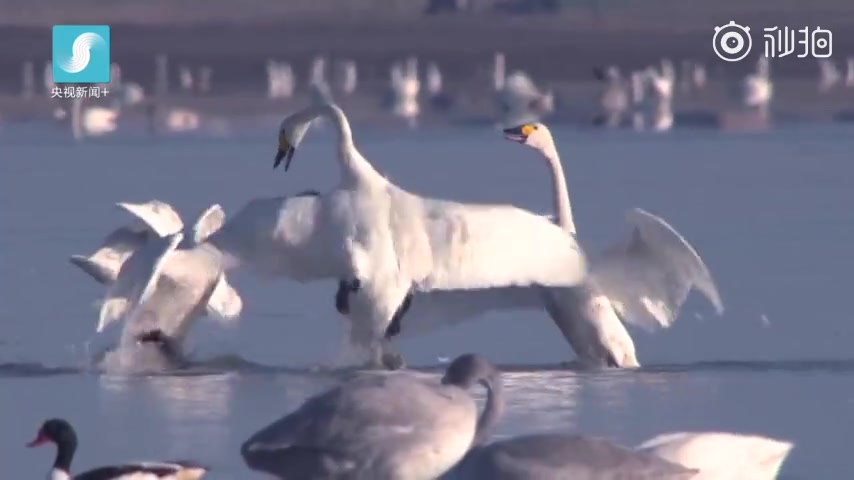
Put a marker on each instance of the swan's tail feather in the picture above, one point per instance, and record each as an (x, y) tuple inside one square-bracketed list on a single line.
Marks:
[(101, 273)]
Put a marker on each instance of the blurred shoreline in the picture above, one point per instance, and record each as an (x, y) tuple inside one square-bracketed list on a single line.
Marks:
[(558, 51)]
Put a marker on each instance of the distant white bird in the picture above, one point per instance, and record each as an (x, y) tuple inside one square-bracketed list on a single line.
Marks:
[(662, 96), (521, 99), (722, 455), (405, 87), (758, 88), (433, 79), (317, 76), (828, 75), (280, 80), (644, 280), (347, 76), (185, 76), (614, 98), (698, 76)]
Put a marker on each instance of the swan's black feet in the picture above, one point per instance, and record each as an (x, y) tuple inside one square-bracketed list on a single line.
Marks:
[(342, 296), (393, 361), (166, 345), (394, 327), (152, 336)]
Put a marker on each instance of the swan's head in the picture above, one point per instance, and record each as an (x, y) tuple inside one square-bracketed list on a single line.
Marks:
[(291, 133), (534, 135), (468, 369)]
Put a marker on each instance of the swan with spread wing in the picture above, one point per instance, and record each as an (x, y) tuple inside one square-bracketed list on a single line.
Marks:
[(643, 280), (156, 281), (386, 245)]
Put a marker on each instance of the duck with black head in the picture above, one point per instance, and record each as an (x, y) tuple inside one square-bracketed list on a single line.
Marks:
[(61, 433)]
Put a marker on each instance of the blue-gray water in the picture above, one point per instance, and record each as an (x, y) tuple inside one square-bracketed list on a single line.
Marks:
[(771, 214)]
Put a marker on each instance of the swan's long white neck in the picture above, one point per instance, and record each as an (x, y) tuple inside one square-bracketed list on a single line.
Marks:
[(563, 210), (491, 412), (354, 166)]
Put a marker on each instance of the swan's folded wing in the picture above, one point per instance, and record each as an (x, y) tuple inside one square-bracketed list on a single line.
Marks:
[(480, 246), (648, 277), (137, 279), (104, 264), (157, 215)]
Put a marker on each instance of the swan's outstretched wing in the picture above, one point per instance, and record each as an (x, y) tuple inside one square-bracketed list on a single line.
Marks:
[(209, 222), (648, 277), (137, 279), (721, 454), (104, 264), (159, 216), (153, 217), (282, 236), (483, 246)]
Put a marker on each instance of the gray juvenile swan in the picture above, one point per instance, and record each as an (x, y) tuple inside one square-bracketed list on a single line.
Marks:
[(643, 280), (381, 426)]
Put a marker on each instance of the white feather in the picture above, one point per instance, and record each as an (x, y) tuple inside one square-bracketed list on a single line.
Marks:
[(722, 455), (648, 276)]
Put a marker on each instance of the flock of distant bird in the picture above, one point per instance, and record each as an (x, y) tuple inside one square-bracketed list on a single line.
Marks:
[(406, 263), (641, 100)]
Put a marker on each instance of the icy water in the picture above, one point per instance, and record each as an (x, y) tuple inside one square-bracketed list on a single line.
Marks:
[(771, 214)]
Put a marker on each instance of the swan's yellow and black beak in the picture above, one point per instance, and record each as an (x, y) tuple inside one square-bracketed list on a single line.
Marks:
[(286, 151), (518, 134)]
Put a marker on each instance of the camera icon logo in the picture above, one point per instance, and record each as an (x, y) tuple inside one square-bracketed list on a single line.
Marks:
[(732, 42)]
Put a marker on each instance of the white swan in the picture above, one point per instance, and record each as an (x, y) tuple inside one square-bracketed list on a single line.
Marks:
[(722, 455), (387, 243), (395, 426), (643, 280), (156, 286)]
